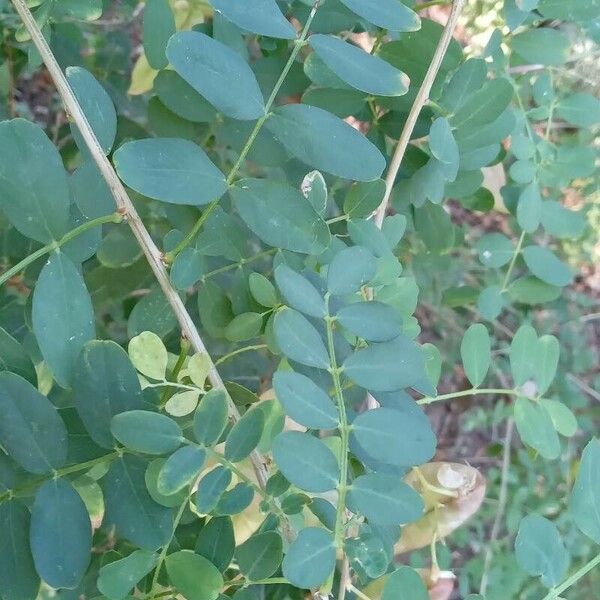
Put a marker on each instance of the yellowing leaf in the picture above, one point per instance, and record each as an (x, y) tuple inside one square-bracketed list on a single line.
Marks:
[(142, 77)]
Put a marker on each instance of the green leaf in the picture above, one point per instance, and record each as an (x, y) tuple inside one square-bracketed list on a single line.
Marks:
[(358, 68), (304, 401), (260, 556), (322, 141), (582, 110), (546, 361), (530, 290), (15, 359), (388, 366), (350, 269), (372, 321), (218, 73), (34, 191), (262, 290), (180, 469), (395, 437), (62, 315), (187, 268), (584, 506), (280, 216), (467, 80), (210, 418), (443, 146), (546, 266), (299, 292), (310, 559), (171, 170), (244, 435), (130, 509), (211, 488), (149, 355), (18, 577), (495, 250), (158, 27), (194, 577), (118, 578), (536, 429), (404, 584), (543, 45), (235, 500), (314, 189), (97, 107), (476, 353), (540, 550), (563, 418), (299, 340), (522, 354), (31, 431), (389, 14), (104, 385), (88, 11), (145, 431), (485, 105), (244, 327), (306, 461), (264, 18), (61, 534), (529, 208), (216, 542), (491, 302), (363, 198), (384, 499)]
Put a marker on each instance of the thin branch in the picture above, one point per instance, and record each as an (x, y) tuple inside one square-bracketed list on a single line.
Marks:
[(127, 209), (573, 579), (415, 111)]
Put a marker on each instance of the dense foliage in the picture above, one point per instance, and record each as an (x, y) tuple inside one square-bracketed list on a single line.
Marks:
[(218, 385)]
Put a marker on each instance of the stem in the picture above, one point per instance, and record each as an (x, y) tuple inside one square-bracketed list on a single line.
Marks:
[(420, 100), (237, 265), (127, 209), (185, 347), (56, 244), (463, 393), (344, 428), (513, 262), (556, 592), (250, 141), (227, 357), (358, 593)]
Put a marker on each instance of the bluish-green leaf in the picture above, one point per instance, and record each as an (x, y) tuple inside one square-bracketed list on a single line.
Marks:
[(299, 292), (389, 14), (476, 353), (104, 385), (358, 68), (34, 191), (444, 147), (211, 488), (395, 437), (542, 45), (299, 340), (145, 431), (404, 584), (134, 515), (387, 366), (495, 250), (97, 107), (363, 198), (180, 469), (582, 110), (31, 431), (546, 361), (280, 216), (244, 435), (158, 27), (262, 290), (117, 579), (15, 359), (260, 556), (304, 401), (216, 542), (540, 550), (522, 354), (372, 321), (314, 189), (193, 575), (306, 461), (467, 80), (529, 208), (61, 534), (172, 170), (235, 500), (325, 142), (18, 577), (384, 499), (62, 314), (350, 269), (536, 429), (218, 73), (210, 418), (310, 559), (485, 105), (584, 506), (544, 264), (263, 18)]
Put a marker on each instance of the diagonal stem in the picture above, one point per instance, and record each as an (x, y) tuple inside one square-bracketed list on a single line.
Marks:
[(415, 111), (127, 209)]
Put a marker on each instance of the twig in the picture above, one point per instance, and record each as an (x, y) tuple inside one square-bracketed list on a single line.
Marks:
[(420, 100), (127, 209), (502, 498), (556, 592)]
